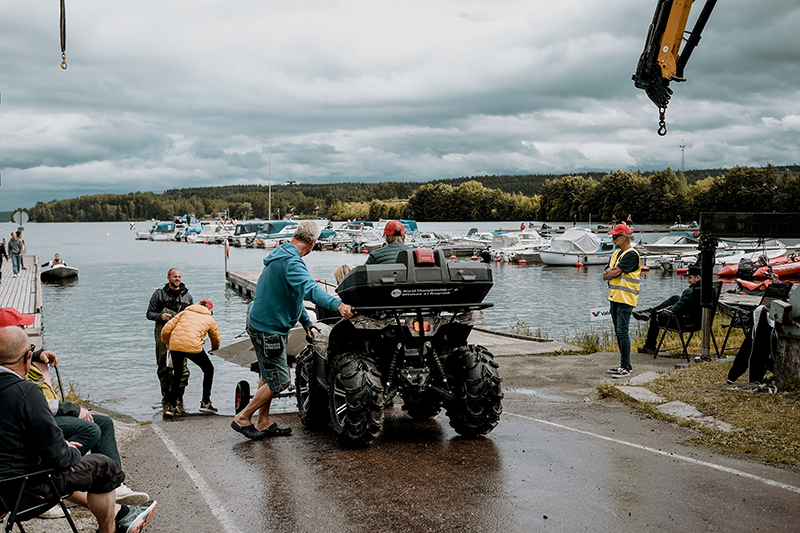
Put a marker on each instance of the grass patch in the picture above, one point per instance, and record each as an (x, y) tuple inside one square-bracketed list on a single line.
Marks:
[(521, 328), (768, 424)]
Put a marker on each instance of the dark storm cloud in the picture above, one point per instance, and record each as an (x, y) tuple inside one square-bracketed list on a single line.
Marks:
[(162, 94)]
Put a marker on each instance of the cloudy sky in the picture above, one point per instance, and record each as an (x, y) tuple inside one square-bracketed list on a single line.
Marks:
[(162, 94)]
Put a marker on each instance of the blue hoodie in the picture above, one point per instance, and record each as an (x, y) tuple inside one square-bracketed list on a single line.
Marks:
[(283, 285)]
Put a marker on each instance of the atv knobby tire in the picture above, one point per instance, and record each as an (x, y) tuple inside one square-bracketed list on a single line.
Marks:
[(476, 407), (312, 402), (356, 399)]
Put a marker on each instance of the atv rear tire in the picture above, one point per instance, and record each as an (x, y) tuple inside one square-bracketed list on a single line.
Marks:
[(477, 406), (422, 406), (312, 402), (356, 399)]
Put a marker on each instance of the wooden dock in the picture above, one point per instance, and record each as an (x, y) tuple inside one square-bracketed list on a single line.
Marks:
[(24, 293)]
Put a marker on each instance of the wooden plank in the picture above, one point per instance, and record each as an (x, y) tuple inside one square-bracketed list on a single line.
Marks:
[(24, 293)]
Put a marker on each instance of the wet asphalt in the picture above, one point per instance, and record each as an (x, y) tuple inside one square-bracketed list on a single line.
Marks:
[(559, 460)]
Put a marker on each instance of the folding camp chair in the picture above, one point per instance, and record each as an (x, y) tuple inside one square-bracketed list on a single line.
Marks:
[(689, 323), (15, 511), (742, 317)]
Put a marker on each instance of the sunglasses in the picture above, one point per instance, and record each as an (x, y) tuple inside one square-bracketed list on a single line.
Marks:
[(30, 350)]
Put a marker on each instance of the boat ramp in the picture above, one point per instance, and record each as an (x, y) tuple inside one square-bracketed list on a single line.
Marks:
[(24, 293)]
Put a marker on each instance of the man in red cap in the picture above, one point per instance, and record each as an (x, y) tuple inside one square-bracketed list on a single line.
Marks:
[(622, 273), (395, 235)]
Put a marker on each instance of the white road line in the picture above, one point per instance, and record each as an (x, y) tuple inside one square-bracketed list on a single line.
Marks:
[(216, 507), (733, 471)]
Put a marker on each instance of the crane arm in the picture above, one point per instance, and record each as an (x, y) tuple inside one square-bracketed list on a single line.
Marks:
[(662, 60)]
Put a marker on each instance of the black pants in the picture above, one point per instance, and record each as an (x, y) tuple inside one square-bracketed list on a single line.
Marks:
[(200, 359), (756, 351), (657, 320)]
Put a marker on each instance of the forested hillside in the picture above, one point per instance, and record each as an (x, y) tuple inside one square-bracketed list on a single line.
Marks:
[(654, 197)]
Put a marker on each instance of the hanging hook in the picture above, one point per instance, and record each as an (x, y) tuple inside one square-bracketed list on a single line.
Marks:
[(63, 36), (662, 124)]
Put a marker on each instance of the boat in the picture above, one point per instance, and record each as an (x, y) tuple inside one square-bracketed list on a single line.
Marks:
[(163, 231), (145, 235), (733, 261), (758, 245), (677, 242), (577, 244), (52, 272), (275, 232), (790, 269), (520, 246), (215, 233)]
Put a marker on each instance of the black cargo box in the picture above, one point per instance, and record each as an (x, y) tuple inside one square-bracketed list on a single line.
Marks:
[(420, 277)]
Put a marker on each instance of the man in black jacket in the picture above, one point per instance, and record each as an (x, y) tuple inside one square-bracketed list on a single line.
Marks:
[(675, 305), (165, 303), (30, 441)]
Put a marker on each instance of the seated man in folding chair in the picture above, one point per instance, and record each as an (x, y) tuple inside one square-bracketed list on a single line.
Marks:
[(30, 441), (676, 305)]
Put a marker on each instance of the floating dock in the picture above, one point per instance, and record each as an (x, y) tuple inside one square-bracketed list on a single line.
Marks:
[(24, 293)]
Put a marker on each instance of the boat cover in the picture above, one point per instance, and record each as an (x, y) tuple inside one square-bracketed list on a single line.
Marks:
[(575, 240), (503, 240)]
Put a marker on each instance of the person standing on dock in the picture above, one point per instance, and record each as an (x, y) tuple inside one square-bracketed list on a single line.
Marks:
[(277, 306), (622, 273), (15, 249), (165, 303), (2, 256)]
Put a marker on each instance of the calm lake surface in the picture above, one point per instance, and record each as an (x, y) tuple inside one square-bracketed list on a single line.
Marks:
[(97, 323)]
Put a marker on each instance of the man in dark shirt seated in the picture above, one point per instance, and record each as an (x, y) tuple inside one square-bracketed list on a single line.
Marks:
[(31, 441), (395, 235), (659, 315)]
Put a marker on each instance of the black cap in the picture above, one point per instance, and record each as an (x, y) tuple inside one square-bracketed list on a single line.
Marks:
[(694, 270)]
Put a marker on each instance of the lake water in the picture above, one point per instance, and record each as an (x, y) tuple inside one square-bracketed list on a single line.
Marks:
[(98, 327)]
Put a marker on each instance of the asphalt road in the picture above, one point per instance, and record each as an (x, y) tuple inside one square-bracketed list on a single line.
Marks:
[(559, 460)]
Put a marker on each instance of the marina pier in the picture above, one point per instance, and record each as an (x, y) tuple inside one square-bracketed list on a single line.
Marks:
[(24, 293)]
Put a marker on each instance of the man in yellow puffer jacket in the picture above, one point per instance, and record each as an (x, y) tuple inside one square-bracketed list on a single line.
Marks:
[(184, 336)]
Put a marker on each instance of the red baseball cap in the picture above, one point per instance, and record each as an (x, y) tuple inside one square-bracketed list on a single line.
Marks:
[(207, 303), (11, 317), (394, 227), (620, 229)]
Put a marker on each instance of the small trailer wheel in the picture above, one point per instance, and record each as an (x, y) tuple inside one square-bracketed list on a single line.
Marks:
[(242, 396)]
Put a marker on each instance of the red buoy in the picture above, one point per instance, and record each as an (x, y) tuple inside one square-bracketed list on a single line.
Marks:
[(324, 249), (474, 257), (364, 251), (337, 249), (645, 268), (578, 264), (682, 270), (496, 260), (453, 257), (522, 262)]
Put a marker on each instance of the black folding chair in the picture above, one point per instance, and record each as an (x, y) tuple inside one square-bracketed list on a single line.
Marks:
[(689, 323), (742, 317), (15, 511)]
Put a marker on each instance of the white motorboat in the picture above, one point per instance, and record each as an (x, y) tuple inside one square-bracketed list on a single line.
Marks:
[(514, 247), (215, 233), (575, 245), (52, 272), (676, 242)]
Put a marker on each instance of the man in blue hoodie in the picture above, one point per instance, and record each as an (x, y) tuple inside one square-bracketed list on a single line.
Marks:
[(277, 306)]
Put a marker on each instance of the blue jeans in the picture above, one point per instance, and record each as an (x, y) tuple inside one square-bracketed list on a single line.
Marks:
[(16, 263), (97, 436), (620, 318)]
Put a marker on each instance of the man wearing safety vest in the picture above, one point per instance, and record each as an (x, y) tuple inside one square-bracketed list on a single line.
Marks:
[(622, 273)]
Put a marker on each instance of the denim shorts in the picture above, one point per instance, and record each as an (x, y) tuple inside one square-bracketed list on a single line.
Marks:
[(271, 354)]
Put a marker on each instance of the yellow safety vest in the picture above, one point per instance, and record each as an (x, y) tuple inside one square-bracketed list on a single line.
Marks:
[(624, 289)]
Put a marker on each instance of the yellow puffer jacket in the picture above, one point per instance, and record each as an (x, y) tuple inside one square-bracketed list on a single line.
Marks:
[(186, 331)]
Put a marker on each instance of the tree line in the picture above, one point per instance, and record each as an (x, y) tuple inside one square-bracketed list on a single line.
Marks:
[(654, 197)]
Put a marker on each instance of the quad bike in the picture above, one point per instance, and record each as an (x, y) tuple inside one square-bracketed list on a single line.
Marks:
[(408, 339)]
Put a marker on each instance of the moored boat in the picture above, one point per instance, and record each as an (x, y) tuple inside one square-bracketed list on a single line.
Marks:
[(575, 245)]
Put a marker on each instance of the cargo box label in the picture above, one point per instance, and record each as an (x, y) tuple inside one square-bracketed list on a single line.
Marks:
[(438, 291)]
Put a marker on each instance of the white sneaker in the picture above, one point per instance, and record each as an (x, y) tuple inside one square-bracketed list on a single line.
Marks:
[(128, 496), (54, 512)]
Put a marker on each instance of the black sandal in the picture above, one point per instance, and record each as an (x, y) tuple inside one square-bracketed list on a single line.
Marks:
[(248, 431)]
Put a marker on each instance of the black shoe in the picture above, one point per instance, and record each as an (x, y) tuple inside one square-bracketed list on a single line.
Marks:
[(643, 315), (275, 430), (645, 349), (248, 431)]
